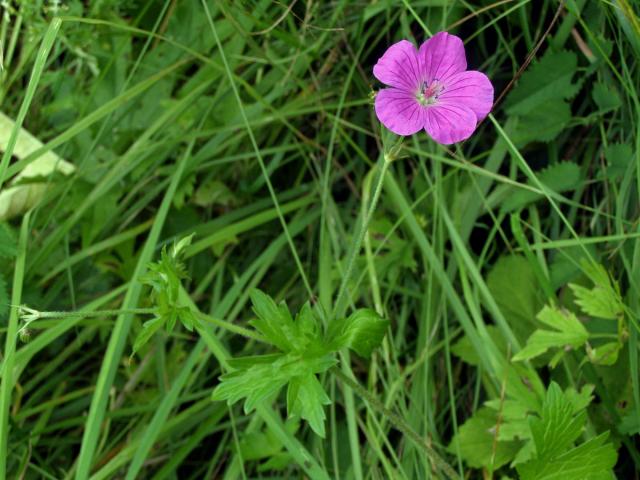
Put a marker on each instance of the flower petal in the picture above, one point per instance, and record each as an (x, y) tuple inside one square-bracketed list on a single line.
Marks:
[(399, 67), (448, 124), (400, 111), (470, 89), (442, 56)]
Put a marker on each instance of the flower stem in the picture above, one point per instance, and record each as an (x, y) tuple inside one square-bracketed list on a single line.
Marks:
[(398, 422), (382, 165), (30, 315)]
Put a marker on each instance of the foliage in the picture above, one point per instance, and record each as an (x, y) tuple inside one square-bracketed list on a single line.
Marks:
[(305, 353), (165, 279), (251, 124)]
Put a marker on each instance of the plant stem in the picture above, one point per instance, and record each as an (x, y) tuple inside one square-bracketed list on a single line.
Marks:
[(33, 315), (398, 422), (30, 315), (383, 165)]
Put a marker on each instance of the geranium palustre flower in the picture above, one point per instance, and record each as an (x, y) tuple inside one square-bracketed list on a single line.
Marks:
[(431, 88)]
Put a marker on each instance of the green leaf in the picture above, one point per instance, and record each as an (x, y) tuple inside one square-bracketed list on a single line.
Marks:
[(255, 384), (362, 332), (260, 379), (265, 445), (605, 354), (568, 332), (273, 321), (306, 398), (4, 299), (554, 434), (606, 97), (603, 300), (539, 100), (619, 156), (560, 177), (549, 79), (513, 284), (476, 438), (29, 186), (148, 329), (8, 244), (544, 124), (165, 278), (214, 192), (463, 348)]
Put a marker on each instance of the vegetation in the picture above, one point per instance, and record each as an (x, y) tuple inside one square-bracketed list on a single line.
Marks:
[(216, 263)]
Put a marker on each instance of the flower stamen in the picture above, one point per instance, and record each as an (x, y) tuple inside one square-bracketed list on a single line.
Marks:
[(429, 93)]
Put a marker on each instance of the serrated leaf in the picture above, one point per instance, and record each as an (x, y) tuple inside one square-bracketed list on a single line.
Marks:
[(255, 383), (560, 177), (606, 97), (568, 332), (262, 379), (307, 399), (475, 441), (554, 434), (362, 332), (603, 300), (273, 321), (148, 329), (549, 79), (557, 428), (539, 100), (590, 461), (543, 124)]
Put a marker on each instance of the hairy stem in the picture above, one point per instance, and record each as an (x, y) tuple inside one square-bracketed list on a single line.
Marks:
[(383, 165), (29, 315)]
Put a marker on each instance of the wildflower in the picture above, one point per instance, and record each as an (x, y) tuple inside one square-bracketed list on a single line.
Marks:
[(431, 88)]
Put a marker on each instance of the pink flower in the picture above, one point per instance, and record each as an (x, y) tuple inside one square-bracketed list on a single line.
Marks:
[(431, 88)]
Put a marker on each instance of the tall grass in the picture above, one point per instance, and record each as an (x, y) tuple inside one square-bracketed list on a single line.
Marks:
[(250, 124)]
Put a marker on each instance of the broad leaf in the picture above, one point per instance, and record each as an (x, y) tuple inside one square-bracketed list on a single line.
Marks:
[(567, 332), (30, 185), (539, 99), (362, 332), (559, 178), (603, 300), (306, 398), (148, 329), (550, 78), (554, 434), (606, 97), (475, 441), (619, 156), (273, 321), (513, 284)]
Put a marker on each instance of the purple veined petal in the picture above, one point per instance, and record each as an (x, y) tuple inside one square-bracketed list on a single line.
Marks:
[(400, 111), (470, 89), (442, 56), (399, 67), (448, 124)]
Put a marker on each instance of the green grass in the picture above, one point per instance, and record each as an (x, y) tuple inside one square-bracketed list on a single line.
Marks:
[(250, 124)]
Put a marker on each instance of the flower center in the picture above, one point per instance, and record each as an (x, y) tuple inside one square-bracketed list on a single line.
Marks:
[(429, 92)]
